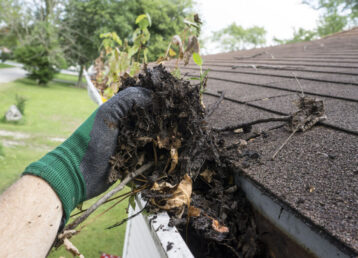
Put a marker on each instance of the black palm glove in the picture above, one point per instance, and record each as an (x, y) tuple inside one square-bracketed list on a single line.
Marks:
[(78, 169)]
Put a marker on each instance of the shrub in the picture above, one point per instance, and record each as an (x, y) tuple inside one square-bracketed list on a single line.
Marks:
[(36, 61), (5, 56), (40, 53), (20, 103)]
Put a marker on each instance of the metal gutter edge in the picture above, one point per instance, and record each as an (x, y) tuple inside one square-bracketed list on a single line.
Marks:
[(283, 217), (150, 236)]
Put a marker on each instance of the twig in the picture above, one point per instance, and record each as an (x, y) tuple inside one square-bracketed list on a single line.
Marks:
[(94, 207), (114, 198), (255, 135), (252, 56), (259, 121), (299, 84), (126, 219), (284, 143), (273, 67), (105, 211), (232, 249), (212, 108)]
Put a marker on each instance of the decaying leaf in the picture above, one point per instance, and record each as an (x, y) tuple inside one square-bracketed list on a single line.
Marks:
[(311, 111), (174, 157), (172, 52), (194, 211), (193, 46), (176, 40), (180, 195), (219, 228), (207, 175), (71, 248), (163, 142)]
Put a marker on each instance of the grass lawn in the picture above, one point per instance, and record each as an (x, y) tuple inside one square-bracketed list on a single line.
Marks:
[(5, 66), (68, 77), (52, 113)]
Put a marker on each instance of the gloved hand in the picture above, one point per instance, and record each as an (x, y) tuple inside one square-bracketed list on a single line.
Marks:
[(78, 169)]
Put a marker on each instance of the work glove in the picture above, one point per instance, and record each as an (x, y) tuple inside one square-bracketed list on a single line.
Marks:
[(78, 169)]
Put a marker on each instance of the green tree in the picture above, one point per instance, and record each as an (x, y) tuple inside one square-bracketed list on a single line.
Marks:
[(34, 26), (40, 53), (331, 23), (235, 37), (80, 28), (298, 36), (337, 15), (85, 20)]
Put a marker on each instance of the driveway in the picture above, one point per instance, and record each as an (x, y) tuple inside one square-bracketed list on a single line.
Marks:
[(11, 74)]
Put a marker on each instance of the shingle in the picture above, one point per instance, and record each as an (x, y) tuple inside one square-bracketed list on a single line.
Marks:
[(324, 159)]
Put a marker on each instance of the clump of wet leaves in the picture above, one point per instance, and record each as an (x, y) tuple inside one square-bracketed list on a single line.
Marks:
[(191, 178), (310, 111)]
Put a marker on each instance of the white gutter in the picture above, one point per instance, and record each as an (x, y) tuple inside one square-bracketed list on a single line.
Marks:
[(150, 236), (280, 215), (92, 91)]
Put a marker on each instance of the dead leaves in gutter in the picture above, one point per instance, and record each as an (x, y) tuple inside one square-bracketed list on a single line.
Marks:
[(180, 195)]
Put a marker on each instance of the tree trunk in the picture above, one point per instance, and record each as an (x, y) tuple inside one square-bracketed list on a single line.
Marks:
[(79, 82)]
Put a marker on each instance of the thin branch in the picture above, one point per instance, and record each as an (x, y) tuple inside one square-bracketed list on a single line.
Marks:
[(126, 219), (252, 56), (259, 121), (299, 84), (114, 198), (95, 206), (105, 211), (283, 144), (212, 108)]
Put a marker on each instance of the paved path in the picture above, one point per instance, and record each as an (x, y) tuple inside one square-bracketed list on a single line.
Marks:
[(11, 74)]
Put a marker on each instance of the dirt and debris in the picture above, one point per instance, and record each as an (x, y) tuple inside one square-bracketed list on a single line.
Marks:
[(170, 246), (193, 176)]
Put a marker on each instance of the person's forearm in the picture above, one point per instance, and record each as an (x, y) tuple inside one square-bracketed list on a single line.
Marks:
[(30, 215)]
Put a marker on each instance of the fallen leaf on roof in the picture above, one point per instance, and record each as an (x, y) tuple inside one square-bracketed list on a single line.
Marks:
[(311, 111)]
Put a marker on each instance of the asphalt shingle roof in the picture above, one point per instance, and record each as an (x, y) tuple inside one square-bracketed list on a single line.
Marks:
[(316, 173)]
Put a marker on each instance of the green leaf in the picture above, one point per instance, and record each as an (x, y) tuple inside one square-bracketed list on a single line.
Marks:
[(105, 35), (176, 73), (132, 202), (197, 59), (189, 23), (116, 38), (204, 74), (149, 19), (143, 24), (140, 17), (135, 68), (145, 54), (195, 78)]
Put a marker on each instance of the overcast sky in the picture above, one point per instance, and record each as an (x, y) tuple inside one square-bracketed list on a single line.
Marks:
[(278, 17)]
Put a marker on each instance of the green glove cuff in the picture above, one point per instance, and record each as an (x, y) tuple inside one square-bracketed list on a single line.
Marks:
[(61, 167)]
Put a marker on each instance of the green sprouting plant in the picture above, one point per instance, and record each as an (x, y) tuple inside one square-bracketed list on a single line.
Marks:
[(186, 43), (123, 58), (203, 75), (20, 103)]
